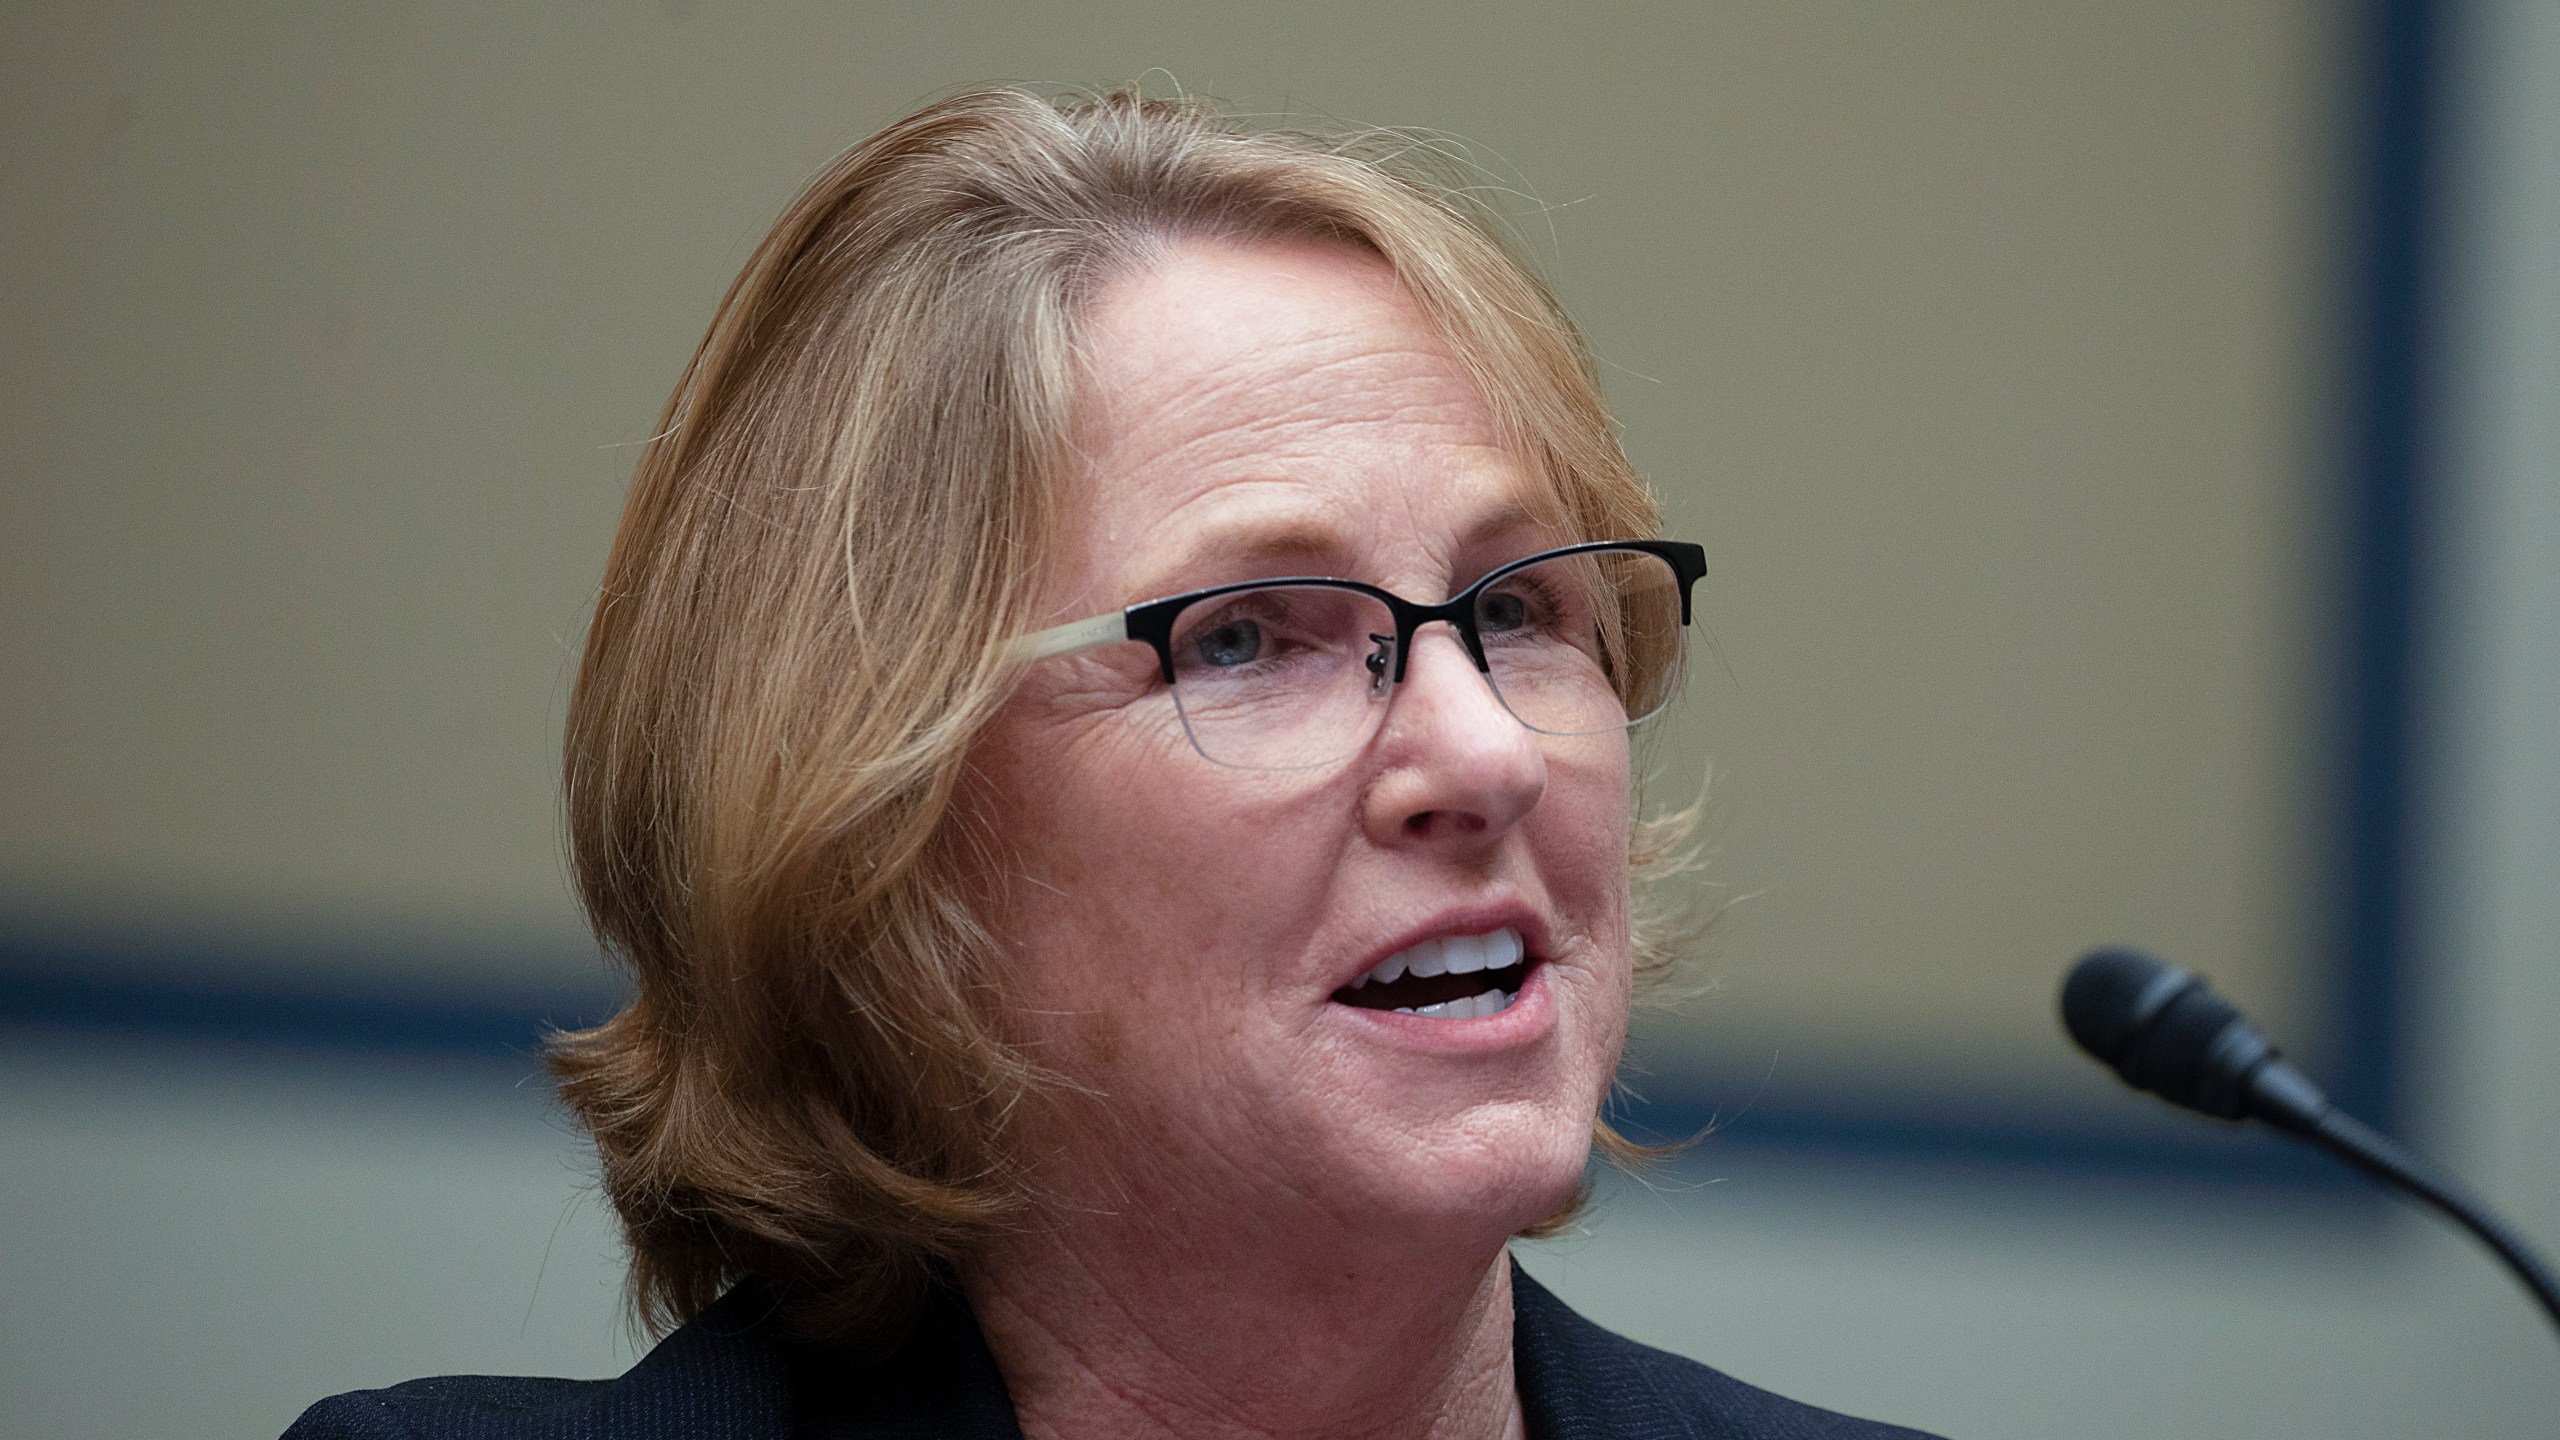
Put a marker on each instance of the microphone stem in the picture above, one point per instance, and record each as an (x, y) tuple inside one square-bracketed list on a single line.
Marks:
[(2376, 1155)]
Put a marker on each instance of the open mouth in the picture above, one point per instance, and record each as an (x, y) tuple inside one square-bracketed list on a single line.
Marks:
[(1455, 977)]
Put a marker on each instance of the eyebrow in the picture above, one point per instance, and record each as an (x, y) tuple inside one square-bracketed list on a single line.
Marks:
[(1296, 545)]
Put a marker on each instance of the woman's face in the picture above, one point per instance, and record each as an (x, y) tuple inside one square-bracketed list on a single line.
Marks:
[(1189, 938)]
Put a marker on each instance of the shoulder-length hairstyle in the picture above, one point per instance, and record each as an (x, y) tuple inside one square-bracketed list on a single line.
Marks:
[(841, 521)]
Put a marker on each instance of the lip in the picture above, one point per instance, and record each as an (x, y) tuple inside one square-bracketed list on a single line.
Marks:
[(1525, 1021), (1464, 920)]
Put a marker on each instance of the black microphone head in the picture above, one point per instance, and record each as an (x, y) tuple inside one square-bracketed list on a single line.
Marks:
[(2163, 1030), (2111, 995)]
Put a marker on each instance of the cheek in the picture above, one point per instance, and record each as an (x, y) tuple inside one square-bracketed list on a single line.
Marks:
[(1126, 860), (1583, 851), (1582, 831)]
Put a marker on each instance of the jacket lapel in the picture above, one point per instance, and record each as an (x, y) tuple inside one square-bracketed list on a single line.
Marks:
[(1579, 1382)]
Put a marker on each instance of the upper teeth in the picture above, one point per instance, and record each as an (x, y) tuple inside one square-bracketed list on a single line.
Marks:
[(1450, 955)]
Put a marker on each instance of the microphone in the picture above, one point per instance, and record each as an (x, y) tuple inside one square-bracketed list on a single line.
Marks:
[(2163, 1029)]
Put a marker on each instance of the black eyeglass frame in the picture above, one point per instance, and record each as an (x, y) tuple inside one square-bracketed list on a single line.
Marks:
[(1152, 621)]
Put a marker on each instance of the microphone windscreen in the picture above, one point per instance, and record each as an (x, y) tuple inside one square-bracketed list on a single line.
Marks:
[(2111, 995)]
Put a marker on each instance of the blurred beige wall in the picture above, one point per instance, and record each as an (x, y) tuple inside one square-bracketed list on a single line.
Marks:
[(318, 329), (1983, 346)]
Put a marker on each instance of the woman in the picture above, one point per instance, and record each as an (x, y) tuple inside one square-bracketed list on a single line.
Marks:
[(1117, 953)]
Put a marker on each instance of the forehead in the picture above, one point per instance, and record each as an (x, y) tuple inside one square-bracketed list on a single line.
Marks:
[(1274, 408)]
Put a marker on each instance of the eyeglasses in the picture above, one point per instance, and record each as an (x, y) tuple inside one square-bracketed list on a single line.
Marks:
[(1293, 673)]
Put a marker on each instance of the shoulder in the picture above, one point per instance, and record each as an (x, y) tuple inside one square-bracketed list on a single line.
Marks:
[(494, 1405), (1580, 1382), (727, 1375), (718, 1376)]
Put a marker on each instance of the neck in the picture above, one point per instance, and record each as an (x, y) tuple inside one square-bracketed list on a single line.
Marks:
[(1133, 1331)]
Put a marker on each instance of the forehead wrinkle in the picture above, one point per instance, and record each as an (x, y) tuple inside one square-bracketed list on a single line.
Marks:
[(1229, 471), (1315, 529), (1239, 405), (1307, 525), (1303, 449)]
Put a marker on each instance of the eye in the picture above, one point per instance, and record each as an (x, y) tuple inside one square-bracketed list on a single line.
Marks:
[(1237, 641), (1502, 611)]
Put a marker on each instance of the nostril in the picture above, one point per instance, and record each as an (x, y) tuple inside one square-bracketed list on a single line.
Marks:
[(1426, 823)]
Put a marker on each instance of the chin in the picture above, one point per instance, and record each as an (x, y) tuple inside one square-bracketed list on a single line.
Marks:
[(1498, 1174)]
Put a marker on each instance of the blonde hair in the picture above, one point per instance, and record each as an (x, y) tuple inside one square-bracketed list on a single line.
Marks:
[(802, 625)]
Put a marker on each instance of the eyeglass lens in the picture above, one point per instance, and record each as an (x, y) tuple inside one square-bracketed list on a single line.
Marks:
[(1288, 676)]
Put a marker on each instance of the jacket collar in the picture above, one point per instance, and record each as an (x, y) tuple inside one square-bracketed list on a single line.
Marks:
[(942, 1384), (1577, 1381)]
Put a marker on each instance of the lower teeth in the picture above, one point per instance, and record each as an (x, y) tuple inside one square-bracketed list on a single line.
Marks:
[(1467, 1007)]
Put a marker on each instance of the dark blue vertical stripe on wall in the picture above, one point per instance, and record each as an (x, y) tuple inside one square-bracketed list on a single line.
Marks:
[(2384, 455)]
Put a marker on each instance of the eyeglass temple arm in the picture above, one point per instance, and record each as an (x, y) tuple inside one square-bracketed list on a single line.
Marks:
[(1071, 637)]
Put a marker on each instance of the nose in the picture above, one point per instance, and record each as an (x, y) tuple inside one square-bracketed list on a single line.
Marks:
[(1456, 770)]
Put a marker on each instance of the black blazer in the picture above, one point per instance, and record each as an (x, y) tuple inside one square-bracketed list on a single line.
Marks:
[(727, 1377)]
